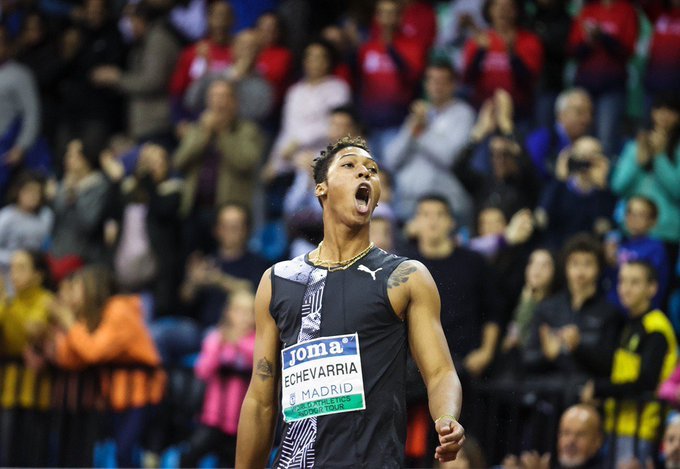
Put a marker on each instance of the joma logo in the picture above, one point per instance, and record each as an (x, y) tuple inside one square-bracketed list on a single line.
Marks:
[(321, 349)]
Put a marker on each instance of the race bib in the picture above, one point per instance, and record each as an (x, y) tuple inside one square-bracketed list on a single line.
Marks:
[(321, 377)]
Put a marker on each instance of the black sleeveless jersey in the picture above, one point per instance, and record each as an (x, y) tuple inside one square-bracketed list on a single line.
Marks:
[(309, 302)]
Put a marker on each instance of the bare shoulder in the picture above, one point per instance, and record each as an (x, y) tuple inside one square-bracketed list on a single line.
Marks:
[(409, 271), (408, 283)]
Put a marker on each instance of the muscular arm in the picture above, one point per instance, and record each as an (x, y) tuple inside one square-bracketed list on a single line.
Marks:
[(259, 409), (416, 293)]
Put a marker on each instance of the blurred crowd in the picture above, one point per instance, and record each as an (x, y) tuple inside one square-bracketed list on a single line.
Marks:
[(155, 159)]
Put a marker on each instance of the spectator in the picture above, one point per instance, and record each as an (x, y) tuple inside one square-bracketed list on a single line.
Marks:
[(579, 443), (646, 356), (209, 281), (551, 22), (145, 83), (46, 58), (275, 61), (506, 246), (306, 110), (471, 320), (428, 144), (390, 66), (539, 283), (98, 329), (650, 166), (209, 55), (504, 56), (419, 23), (19, 114), (574, 115), (512, 183), (602, 39), (671, 442), (23, 325), (663, 66), (79, 206), (218, 156), (641, 216), (86, 110), (146, 205), (462, 21), (225, 364), (26, 222), (579, 199), (573, 334), (254, 93)]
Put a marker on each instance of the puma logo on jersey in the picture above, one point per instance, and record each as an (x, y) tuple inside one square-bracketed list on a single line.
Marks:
[(363, 268)]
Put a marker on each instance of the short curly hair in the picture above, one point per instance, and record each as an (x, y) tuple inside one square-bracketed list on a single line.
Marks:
[(323, 161)]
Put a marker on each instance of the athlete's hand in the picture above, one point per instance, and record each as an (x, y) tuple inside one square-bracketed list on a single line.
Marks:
[(451, 437)]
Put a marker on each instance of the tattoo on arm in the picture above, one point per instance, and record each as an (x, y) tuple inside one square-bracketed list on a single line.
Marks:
[(400, 275), (264, 369)]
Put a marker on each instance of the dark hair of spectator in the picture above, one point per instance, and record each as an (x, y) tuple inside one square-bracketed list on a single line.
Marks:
[(98, 287), (443, 63), (332, 54), (237, 205), (671, 102), (22, 180), (583, 243), (650, 270), (322, 162), (651, 205), (519, 11), (348, 110), (432, 197), (40, 265), (146, 12), (280, 25)]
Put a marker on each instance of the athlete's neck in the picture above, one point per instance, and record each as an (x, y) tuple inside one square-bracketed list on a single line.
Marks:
[(341, 244), (436, 249)]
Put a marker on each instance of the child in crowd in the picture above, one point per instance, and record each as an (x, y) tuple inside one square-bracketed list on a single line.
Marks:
[(26, 222), (23, 322), (640, 218), (225, 364), (100, 329), (646, 356)]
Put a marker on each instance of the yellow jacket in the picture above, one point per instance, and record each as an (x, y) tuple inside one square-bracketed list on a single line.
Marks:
[(19, 317)]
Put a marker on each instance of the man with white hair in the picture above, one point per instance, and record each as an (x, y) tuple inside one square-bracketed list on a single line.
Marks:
[(573, 119)]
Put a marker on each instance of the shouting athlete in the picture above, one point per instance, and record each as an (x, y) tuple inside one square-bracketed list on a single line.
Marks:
[(332, 331)]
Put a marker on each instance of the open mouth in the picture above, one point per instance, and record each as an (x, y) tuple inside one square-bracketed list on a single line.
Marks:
[(363, 197)]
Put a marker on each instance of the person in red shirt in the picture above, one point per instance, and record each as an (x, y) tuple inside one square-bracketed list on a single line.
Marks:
[(504, 56), (211, 54), (663, 67), (275, 61), (390, 67), (602, 40)]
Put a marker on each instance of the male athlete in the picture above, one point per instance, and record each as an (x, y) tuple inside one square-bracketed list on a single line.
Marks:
[(333, 327)]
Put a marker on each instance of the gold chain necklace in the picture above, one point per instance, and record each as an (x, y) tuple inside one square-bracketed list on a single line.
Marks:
[(332, 266)]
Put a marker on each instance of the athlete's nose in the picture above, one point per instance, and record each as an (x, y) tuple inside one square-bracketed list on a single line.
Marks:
[(364, 172)]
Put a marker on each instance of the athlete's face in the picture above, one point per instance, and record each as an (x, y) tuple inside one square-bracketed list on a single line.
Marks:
[(352, 188)]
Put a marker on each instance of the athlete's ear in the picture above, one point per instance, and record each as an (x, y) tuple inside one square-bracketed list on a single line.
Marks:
[(320, 189)]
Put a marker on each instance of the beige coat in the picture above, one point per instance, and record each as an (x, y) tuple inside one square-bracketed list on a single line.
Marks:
[(240, 149)]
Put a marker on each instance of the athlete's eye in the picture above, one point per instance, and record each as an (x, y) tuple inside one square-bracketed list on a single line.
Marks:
[(373, 170), (348, 165)]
